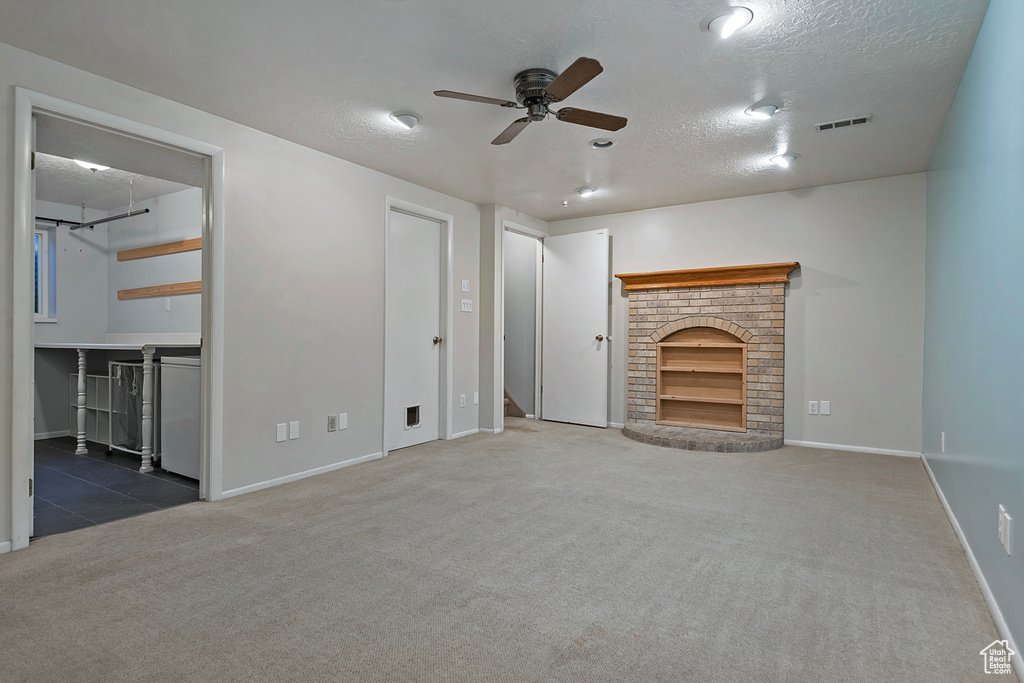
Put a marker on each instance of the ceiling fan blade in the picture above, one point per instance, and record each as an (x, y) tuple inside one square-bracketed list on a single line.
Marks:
[(593, 119), (511, 132), (572, 79), (474, 98)]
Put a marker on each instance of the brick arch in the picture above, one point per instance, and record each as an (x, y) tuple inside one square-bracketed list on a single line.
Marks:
[(701, 321)]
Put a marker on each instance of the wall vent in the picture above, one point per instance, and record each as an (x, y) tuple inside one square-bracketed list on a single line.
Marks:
[(843, 123)]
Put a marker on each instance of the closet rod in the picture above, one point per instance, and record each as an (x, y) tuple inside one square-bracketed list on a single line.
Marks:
[(58, 221), (107, 220)]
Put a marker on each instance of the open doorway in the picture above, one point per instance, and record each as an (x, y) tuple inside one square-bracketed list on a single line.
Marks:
[(113, 277), (522, 274)]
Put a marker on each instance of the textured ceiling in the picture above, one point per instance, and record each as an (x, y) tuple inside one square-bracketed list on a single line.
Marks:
[(327, 73), (65, 182)]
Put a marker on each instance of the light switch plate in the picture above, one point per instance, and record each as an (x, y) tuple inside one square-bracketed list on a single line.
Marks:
[(825, 407), (465, 285), (342, 421), (476, 398), (293, 430), (282, 432), (467, 305)]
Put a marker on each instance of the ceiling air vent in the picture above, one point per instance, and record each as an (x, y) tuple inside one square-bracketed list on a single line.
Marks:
[(843, 123)]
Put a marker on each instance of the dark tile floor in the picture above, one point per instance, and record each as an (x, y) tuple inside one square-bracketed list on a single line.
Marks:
[(75, 491)]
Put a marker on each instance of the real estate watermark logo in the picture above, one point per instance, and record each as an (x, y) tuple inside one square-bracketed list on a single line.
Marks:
[(997, 657)]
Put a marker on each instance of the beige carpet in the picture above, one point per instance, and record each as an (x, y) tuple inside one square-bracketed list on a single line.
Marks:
[(547, 553)]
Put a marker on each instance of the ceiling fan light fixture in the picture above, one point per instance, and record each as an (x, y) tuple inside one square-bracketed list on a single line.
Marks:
[(601, 143), (725, 22), (584, 191), (784, 160), (404, 119), (91, 166), (762, 110)]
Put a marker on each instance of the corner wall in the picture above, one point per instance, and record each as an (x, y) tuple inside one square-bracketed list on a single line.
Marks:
[(854, 310), (974, 323)]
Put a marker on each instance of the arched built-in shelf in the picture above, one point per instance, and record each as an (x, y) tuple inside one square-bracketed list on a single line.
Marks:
[(702, 380)]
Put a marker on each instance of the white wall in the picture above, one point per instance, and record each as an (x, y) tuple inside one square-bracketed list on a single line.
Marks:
[(172, 218), (303, 282), (521, 318), (854, 310), (81, 277)]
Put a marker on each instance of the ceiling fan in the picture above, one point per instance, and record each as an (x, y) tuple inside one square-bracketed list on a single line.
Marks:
[(537, 89)]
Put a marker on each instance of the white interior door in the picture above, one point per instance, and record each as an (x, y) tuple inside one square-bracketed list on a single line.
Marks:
[(413, 346), (575, 329)]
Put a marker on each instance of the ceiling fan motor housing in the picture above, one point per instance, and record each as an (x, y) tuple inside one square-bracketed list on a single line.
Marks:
[(530, 85)]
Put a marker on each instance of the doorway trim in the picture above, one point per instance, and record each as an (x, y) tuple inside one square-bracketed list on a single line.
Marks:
[(26, 103), (509, 226), (447, 222)]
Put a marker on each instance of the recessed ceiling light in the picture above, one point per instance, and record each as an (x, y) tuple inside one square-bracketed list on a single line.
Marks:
[(91, 166), (584, 191), (601, 143), (785, 160), (763, 109), (565, 202), (404, 119), (725, 22)]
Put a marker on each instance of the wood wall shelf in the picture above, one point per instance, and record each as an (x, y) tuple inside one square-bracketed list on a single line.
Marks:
[(161, 249), (160, 290), (702, 381), (705, 277)]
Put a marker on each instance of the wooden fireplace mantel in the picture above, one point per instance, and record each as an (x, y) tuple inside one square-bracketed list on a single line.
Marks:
[(704, 277)]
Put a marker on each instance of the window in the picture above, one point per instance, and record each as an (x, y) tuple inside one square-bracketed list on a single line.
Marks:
[(46, 274)]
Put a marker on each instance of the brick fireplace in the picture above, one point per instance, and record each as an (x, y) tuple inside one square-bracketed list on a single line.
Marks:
[(707, 356)]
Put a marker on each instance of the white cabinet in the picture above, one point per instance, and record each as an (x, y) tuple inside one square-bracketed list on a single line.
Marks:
[(180, 398)]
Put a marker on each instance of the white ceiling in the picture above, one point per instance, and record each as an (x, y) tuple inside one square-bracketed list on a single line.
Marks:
[(326, 74), (65, 182)]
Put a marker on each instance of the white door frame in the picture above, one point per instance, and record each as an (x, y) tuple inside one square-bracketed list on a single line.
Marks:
[(506, 227), (447, 222), (26, 103)]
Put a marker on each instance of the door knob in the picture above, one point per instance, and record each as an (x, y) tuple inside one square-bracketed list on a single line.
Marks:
[(437, 340), (599, 337)]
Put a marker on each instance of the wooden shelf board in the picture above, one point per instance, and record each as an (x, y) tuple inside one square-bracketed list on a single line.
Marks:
[(701, 425), (161, 249), (701, 399), (160, 290), (705, 277), (703, 368)]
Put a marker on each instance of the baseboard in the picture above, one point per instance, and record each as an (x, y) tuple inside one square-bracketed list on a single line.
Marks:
[(853, 449), (616, 425), (990, 599), (299, 475), (485, 430), (5, 547), (52, 435), (468, 432)]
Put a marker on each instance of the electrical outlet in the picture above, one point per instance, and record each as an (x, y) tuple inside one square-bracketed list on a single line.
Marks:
[(167, 304), (1006, 530), (812, 407), (476, 398), (282, 432), (826, 407), (943, 441), (332, 423), (342, 421), (467, 305), (293, 430), (465, 285), (462, 400)]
